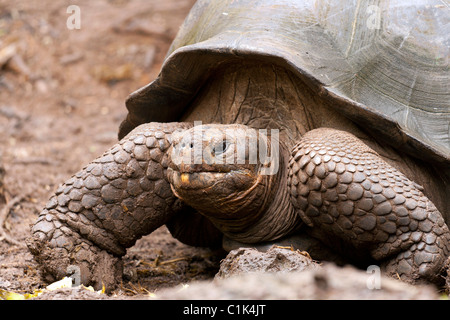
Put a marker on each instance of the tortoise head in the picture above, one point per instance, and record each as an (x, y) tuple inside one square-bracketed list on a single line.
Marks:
[(223, 170)]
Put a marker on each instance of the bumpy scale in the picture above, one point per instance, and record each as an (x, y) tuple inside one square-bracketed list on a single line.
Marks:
[(342, 188), (103, 209)]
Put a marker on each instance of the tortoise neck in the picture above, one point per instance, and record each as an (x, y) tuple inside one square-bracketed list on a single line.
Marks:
[(266, 215)]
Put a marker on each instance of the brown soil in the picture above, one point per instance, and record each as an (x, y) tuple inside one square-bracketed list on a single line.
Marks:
[(62, 95)]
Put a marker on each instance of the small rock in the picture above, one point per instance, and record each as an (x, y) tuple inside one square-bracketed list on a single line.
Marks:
[(276, 259)]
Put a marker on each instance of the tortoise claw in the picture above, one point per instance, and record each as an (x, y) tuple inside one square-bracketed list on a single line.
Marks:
[(62, 252)]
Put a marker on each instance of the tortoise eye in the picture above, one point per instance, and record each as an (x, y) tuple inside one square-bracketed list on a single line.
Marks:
[(221, 147)]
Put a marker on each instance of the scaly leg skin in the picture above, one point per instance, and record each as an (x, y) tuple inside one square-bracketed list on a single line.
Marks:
[(344, 190), (103, 209)]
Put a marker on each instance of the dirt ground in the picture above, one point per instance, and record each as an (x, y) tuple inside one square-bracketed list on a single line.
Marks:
[(62, 95)]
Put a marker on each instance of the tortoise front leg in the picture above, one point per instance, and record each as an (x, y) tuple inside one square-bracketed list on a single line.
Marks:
[(344, 191), (103, 209)]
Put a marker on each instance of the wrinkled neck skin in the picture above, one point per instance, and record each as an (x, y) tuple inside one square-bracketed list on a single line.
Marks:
[(265, 212)]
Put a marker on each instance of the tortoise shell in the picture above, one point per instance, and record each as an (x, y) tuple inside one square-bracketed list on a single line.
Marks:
[(385, 65)]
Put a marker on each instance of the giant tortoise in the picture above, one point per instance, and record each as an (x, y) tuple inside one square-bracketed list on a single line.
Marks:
[(270, 119)]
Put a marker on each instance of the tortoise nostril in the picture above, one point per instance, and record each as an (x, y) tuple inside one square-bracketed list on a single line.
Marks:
[(186, 145)]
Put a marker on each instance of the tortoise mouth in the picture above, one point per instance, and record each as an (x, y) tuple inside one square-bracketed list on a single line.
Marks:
[(196, 179), (201, 168)]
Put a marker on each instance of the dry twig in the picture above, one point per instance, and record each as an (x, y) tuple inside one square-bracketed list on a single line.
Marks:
[(3, 215)]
